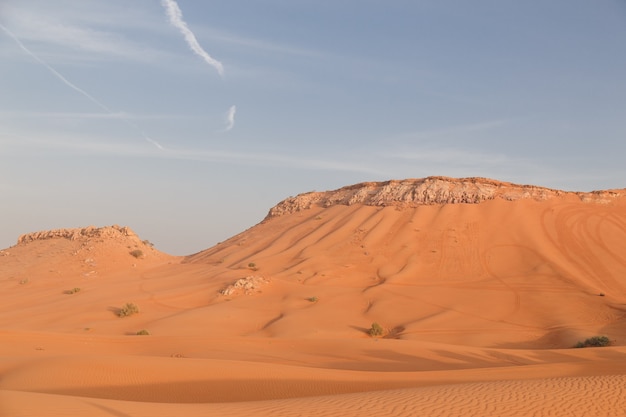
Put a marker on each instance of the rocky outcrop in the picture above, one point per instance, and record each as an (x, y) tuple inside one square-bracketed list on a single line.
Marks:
[(79, 233), (428, 191), (247, 285)]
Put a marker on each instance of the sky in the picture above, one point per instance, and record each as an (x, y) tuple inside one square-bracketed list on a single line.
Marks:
[(188, 120)]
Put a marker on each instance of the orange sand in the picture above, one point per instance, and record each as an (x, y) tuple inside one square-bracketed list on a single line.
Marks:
[(481, 303)]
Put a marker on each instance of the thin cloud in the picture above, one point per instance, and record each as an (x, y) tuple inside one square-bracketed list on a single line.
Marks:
[(88, 115), (62, 115), (258, 44), (458, 129), (82, 33), (230, 118), (175, 16), (75, 87), (76, 144)]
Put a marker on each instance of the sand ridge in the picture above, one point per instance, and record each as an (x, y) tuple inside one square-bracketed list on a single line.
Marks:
[(481, 303)]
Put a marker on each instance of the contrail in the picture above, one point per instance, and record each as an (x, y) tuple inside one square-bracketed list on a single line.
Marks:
[(73, 86), (230, 118), (175, 16), (53, 71)]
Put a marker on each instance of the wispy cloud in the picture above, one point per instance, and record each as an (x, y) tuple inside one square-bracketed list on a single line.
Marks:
[(230, 118), (256, 44), (175, 16), (77, 144), (80, 32), (457, 129), (87, 115), (73, 86)]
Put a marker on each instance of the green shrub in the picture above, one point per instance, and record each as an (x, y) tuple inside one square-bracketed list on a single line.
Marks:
[(595, 341), (376, 330), (128, 310), (136, 253), (143, 332)]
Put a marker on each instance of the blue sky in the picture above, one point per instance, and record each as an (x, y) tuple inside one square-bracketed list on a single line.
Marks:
[(189, 130)]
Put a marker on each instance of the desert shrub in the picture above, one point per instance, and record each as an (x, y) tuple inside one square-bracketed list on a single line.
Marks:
[(595, 341), (128, 310), (143, 332), (73, 290), (136, 253), (376, 330), (252, 266), (313, 299)]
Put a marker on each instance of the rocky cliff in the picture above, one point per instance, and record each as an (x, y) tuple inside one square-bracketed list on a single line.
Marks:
[(429, 191)]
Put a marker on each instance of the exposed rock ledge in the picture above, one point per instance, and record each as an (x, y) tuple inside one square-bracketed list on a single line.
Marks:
[(79, 233), (429, 191), (247, 286)]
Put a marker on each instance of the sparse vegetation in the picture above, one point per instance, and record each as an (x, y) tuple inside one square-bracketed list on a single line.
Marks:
[(595, 341), (376, 330), (252, 266), (313, 299), (128, 310), (143, 332), (136, 253), (148, 243), (73, 290)]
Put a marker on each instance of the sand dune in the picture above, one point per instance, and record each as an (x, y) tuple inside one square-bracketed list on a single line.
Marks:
[(482, 289)]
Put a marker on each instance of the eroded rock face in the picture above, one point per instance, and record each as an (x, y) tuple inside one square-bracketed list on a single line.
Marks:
[(247, 285), (79, 233), (428, 191)]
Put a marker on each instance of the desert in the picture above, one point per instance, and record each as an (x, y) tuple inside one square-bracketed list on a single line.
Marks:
[(481, 290)]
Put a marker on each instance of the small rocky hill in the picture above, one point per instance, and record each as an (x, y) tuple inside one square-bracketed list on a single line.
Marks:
[(85, 252)]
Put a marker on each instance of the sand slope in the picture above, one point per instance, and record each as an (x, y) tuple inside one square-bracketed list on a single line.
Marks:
[(481, 304)]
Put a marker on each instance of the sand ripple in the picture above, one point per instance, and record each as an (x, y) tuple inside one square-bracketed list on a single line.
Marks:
[(568, 396)]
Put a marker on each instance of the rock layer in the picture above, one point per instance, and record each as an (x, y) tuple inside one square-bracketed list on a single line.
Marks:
[(429, 191), (79, 233)]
